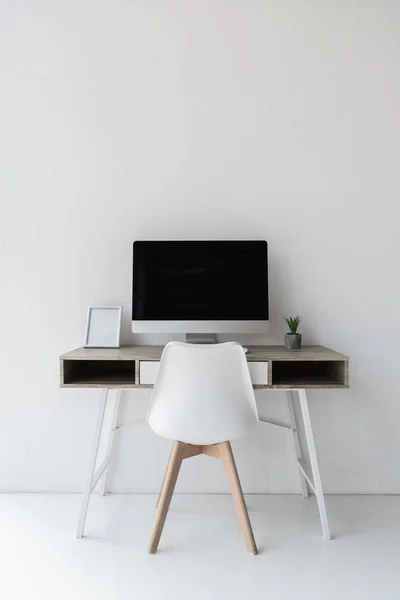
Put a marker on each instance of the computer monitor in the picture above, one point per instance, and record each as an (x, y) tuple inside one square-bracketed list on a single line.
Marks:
[(200, 287)]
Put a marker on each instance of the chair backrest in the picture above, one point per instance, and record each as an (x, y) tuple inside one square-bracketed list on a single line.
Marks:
[(203, 394)]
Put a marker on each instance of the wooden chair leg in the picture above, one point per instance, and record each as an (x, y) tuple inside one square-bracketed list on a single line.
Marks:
[(163, 481), (226, 455), (171, 475)]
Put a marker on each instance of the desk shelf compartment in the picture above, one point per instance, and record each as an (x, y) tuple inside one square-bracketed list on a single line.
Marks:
[(309, 374), (98, 373)]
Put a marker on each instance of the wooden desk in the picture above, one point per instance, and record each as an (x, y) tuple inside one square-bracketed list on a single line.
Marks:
[(128, 367), (271, 368)]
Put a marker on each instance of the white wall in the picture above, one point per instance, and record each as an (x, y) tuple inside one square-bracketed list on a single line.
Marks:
[(154, 119)]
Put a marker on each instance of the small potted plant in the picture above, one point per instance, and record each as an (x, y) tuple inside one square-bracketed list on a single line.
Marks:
[(293, 339)]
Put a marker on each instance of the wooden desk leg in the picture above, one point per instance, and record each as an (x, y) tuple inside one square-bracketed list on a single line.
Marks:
[(296, 442), (114, 422), (316, 477), (92, 463)]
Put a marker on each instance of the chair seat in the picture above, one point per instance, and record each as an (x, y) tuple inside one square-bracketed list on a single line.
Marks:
[(220, 428)]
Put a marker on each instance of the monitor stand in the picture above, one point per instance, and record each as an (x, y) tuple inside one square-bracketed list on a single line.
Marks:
[(201, 338)]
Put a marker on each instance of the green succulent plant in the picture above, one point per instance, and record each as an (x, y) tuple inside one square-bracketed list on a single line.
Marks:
[(293, 323)]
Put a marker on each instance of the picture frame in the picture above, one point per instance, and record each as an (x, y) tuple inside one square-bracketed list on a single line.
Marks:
[(103, 327)]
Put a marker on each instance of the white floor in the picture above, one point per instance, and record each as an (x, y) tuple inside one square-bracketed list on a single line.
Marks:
[(202, 555)]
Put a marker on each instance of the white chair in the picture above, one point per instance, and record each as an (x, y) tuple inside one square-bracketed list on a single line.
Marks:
[(202, 399)]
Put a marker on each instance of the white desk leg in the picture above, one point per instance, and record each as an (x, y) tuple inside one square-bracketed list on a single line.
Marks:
[(316, 478), (114, 421), (92, 463), (296, 442)]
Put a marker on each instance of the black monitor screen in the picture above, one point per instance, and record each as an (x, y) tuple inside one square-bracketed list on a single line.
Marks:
[(195, 281)]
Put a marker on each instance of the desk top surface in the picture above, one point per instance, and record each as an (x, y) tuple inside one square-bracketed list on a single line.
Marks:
[(255, 353)]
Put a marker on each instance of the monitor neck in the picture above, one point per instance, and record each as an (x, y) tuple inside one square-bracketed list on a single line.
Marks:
[(201, 338)]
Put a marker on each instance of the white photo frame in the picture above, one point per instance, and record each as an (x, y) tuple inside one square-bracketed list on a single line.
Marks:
[(103, 327)]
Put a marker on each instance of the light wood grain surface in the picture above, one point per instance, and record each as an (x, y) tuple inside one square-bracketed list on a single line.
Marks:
[(254, 353), (312, 367), (180, 451)]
